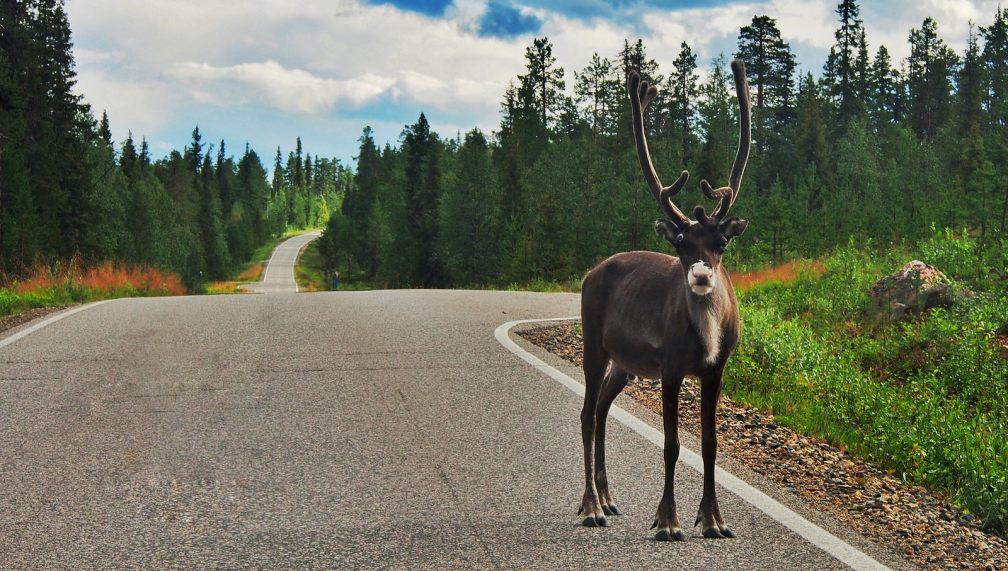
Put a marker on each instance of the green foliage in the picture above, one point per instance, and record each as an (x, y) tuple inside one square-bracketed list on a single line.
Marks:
[(925, 398)]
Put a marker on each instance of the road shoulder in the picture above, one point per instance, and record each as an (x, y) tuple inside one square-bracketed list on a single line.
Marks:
[(880, 553)]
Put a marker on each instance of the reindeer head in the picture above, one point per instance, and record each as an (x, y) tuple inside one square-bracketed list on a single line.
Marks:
[(700, 243)]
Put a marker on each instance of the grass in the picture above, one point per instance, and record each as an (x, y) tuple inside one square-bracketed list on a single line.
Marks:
[(780, 274), (925, 398), (71, 282), (308, 270), (251, 272), (573, 285)]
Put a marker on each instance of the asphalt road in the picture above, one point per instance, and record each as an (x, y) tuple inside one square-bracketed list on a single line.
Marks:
[(278, 277), (342, 430)]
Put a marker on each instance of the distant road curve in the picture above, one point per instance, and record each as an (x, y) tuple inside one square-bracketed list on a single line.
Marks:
[(278, 277)]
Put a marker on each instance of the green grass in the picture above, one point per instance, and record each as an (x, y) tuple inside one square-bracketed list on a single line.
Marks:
[(926, 398), (69, 283), (308, 270), (573, 285), (310, 275), (251, 271)]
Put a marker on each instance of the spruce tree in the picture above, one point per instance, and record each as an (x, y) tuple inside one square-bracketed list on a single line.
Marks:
[(593, 90), (931, 68), (422, 191), (684, 85), (885, 89), (770, 67), (840, 75), (210, 225), (104, 132)]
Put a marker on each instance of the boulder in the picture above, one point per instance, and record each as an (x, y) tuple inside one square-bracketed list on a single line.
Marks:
[(916, 288)]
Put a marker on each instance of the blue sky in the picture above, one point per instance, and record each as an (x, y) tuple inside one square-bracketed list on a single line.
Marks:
[(268, 71)]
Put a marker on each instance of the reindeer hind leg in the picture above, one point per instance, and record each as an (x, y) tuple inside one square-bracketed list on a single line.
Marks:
[(595, 362), (614, 383)]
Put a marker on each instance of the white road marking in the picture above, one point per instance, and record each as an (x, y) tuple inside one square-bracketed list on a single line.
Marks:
[(29, 330), (281, 252), (831, 544)]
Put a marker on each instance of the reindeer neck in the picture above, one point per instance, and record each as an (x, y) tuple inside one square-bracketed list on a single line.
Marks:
[(706, 315)]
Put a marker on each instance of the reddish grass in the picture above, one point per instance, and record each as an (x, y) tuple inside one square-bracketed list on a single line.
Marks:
[(252, 273), (783, 273), (102, 277)]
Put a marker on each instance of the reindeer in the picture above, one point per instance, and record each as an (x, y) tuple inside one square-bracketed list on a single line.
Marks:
[(652, 315)]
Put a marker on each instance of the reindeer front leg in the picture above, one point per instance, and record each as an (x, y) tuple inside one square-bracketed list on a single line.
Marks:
[(667, 520), (709, 513)]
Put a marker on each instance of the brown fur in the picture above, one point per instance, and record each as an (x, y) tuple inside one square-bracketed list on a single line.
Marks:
[(640, 316)]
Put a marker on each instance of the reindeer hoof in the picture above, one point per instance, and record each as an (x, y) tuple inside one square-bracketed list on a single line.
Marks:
[(597, 521), (611, 510), (713, 533), (727, 532), (675, 534)]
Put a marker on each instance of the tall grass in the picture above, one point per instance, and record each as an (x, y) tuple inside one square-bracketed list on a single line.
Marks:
[(72, 282)]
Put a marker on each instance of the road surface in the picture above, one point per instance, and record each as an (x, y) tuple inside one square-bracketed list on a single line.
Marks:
[(278, 276), (336, 430)]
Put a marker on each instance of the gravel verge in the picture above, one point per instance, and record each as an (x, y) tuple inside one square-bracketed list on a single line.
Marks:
[(924, 526), (11, 321)]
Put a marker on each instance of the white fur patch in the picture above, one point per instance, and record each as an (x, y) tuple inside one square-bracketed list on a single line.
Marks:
[(709, 327), (699, 270)]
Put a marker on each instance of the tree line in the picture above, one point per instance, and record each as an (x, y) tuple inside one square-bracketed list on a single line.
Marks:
[(872, 150), (67, 189)]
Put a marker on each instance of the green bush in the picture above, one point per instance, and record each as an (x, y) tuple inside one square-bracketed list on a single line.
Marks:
[(926, 398)]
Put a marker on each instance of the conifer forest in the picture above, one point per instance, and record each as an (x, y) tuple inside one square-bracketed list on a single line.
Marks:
[(866, 149), (859, 163)]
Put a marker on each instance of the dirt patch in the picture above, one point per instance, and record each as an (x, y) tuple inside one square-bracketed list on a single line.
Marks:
[(12, 321), (924, 527)]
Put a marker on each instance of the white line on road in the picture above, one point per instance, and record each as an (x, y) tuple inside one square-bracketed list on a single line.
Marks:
[(843, 551), (29, 330)]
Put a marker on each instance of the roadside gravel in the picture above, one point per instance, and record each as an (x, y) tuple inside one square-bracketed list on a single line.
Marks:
[(925, 527), (12, 321)]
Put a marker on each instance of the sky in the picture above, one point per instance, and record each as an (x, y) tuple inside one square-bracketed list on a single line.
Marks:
[(264, 72)]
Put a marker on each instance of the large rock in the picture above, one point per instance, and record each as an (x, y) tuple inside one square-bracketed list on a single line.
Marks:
[(915, 288)]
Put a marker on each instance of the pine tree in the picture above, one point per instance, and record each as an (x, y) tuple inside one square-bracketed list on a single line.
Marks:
[(809, 135), (770, 67), (422, 191), (633, 57), (716, 122), (194, 152), (211, 228), (593, 89), (278, 174), (469, 216), (995, 58), (683, 83), (931, 67), (298, 176), (840, 73), (885, 90), (971, 83), (104, 132), (544, 81), (359, 199)]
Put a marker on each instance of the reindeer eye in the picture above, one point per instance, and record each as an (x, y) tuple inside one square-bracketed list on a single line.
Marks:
[(678, 239)]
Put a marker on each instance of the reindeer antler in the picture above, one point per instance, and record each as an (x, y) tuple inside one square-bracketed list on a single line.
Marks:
[(641, 93), (728, 194)]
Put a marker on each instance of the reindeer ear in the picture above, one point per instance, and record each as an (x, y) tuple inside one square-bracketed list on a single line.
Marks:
[(668, 230), (733, 227)]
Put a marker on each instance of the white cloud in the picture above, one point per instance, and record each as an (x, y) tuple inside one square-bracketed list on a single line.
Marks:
[(140, 106), (291, 90), (157, 62)]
